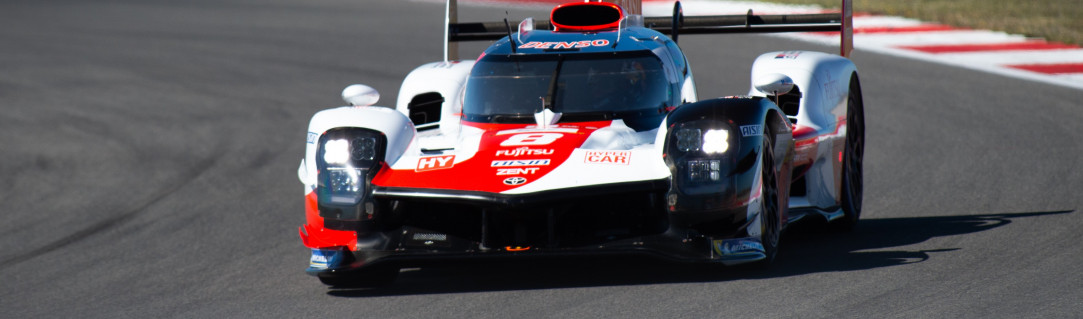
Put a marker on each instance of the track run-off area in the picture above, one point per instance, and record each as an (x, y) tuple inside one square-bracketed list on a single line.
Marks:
[(149, 151)]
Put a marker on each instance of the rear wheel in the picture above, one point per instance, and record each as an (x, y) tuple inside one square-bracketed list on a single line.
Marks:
[(770, 226), (366, 278), (853, 156)]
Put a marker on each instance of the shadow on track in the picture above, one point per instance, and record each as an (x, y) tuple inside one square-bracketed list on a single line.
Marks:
[(806, 249)]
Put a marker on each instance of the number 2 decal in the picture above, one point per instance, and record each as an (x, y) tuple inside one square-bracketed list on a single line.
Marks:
[(531, 139)]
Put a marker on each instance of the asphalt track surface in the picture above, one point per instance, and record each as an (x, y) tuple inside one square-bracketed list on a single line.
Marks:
[(149, 148)]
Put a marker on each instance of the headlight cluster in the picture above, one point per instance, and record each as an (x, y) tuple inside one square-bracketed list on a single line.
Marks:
[(698, 150), (345, 159), (704, 170), (711, 141), (342, 151)]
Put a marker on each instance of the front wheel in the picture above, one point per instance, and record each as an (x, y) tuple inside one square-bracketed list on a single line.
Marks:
[(770, 225), (853, 156)]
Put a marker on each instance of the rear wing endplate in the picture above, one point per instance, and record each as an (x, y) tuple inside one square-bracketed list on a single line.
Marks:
[(674, 26)]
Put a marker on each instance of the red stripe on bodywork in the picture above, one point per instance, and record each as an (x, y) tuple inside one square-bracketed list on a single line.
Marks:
[(313, 235), (807, 142), (916, 28), (479, 173), (1059, 68), (1026, 45), (803, 132), (899, 29)]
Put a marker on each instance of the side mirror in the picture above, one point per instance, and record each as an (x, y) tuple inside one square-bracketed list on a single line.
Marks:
[(360, 95), (773, 84)]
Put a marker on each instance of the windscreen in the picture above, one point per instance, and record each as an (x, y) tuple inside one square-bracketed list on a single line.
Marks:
[(510, 89)]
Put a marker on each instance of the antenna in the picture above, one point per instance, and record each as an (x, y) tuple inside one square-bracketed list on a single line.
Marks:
[(510, 39)]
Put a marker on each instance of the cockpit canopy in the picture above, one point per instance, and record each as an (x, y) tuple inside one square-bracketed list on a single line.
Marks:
[(587, 87)]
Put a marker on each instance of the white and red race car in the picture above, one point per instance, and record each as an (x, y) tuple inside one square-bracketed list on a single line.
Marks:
[(584, 135)]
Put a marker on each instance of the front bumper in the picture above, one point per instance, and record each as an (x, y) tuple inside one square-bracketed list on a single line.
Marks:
[(422, 226), (415, 247), (727, 251)]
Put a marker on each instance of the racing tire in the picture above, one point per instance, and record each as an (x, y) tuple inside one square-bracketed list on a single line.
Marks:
[(770, 222), (852, 163), (367, 278)]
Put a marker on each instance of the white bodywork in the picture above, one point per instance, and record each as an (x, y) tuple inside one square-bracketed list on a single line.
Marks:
[(824, 81), (822, 78), (509, 164), (445, 78), (399, 130)]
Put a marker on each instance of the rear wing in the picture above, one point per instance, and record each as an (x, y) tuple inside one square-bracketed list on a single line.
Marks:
[(674, 25)]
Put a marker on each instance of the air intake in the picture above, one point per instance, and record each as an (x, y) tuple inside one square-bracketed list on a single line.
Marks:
[(586, 16)]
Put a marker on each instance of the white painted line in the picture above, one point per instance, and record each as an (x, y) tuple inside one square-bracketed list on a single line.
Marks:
[(1014, 57), (936, 38), (884, 21), (1074, 77), (890, 43), (665, 8)]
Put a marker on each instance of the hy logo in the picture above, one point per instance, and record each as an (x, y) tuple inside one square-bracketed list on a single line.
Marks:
[(435, 162)]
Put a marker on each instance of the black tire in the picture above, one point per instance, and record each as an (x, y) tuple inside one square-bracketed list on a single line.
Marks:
[(853, 157), (367, 278), (770, 225)]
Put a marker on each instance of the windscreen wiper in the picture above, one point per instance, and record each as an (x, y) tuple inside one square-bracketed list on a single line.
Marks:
[(547, 102)]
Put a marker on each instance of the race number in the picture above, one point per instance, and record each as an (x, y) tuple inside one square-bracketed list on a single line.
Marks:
[(531, 139)]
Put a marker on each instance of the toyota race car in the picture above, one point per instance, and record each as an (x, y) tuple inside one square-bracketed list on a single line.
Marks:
[(584, 135)]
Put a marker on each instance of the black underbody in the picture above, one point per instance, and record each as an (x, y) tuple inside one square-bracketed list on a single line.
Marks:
[(415, 225)]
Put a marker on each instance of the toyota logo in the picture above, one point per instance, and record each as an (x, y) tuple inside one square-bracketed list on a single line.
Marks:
[(515, 180)]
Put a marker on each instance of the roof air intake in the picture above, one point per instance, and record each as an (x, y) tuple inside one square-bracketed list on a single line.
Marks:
[(586, 16)]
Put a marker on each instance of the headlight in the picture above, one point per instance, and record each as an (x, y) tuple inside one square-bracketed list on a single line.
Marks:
[(343, 183), (698, 150), (716, 141), (704, 170), (711, 141), (363, 149), (346, 158), (689, 139), (336, 152)]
